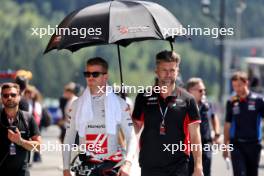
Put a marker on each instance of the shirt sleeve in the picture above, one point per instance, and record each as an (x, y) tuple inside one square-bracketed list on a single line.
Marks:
[(138, 108), (33, 127), (69, 137), (193, 111), (228, 117), (129, 133), (262, 107)]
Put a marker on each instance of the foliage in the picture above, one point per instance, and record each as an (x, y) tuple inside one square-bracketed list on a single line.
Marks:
[(20, 50)]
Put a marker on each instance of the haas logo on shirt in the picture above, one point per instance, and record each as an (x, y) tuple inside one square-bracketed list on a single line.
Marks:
[(97, 143)]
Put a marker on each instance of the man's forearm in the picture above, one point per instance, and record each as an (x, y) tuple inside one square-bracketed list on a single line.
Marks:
[(226, 133), (132, 145), (195, 139), (137, 126), (216, 124), (30, 145), (197, 154)]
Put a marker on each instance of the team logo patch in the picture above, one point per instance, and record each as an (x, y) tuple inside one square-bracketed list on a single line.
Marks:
[(116, 157), (251, 105), (236, 110), (152, 101), (97, 143), (152, 98), (179, 102)]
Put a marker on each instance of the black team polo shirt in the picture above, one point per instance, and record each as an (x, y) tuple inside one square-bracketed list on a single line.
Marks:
[(182, 111)]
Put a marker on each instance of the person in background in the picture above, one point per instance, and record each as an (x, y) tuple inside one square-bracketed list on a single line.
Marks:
[(196, 87), (242, 129), (66, 102), (34, 98), (23, 83), (19, 133), (69, 94)]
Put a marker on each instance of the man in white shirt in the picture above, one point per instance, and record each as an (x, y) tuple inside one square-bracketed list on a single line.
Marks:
[(92, 110)]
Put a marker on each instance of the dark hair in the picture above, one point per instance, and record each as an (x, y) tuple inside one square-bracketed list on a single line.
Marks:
[(10, 85), (22, 82), (168, 56), (193, 82), (98, 61), (239, 75)]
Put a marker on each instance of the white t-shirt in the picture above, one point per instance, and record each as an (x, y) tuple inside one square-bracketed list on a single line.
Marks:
[(96, 138)]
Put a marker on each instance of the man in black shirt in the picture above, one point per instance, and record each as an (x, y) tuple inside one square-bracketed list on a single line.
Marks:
[(197, 88), (242, 127), (171, 121), (18, 133)]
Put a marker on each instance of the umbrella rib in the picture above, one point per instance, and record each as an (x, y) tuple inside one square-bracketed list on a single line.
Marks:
[(156, 24)]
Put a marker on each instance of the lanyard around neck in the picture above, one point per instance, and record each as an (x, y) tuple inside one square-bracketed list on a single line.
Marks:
[(163, 114)]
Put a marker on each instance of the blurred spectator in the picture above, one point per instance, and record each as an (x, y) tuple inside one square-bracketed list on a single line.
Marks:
[(22, 82), (253, 81), (196, 87), (69, 95), (242, 129), (34, 98)]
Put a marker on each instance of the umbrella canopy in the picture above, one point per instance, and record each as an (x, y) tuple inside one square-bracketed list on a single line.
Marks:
[(114, 22)]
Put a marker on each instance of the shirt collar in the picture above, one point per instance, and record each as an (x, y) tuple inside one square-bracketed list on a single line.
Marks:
[(245, 99), (11, 120), (5, 120)]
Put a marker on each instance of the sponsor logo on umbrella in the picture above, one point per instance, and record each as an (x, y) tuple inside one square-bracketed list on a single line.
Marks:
[(126, 30)]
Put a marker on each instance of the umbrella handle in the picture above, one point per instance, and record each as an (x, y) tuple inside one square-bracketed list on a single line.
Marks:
[(171, 45), (120, 70)]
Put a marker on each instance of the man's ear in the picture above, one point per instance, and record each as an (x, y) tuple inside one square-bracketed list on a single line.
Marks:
[(247, 83), (19, 97)]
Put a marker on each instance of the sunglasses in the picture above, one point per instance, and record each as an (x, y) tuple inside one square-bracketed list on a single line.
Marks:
[(13, 95), (93, 74), (200, 90)]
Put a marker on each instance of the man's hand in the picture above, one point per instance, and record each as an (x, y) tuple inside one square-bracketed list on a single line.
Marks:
[(125, 169), (227, 127), (67, 173), (14, 137), (137, 126), (198, 172), (225, 154), (217, 140)]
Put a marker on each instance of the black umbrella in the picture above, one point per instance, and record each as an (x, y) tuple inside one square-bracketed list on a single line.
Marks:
[(114, 22)]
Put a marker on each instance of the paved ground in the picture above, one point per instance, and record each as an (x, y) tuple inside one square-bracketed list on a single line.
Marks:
[(52, 161)]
